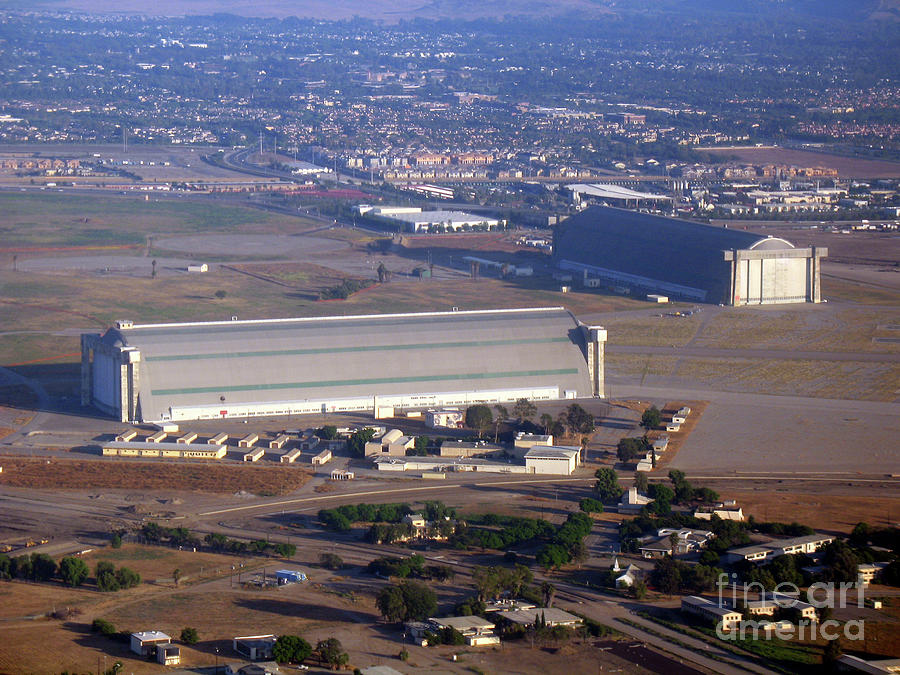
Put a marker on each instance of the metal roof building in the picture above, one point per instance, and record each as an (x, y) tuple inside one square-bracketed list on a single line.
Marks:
[(687, 260), (222, 369)]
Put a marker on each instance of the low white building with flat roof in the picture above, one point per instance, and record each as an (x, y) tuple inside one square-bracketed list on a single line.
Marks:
[(474, 629), (552, 459), (550, 616), (145, 641)]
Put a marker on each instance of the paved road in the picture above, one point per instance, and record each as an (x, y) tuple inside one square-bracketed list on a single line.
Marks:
[(768, 354)]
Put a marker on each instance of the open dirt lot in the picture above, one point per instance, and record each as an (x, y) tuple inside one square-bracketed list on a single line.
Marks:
[(70, 474), (749, 432)]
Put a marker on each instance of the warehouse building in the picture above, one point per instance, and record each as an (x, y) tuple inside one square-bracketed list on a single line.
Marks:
[(691, 261), (414, 219), (228, 369)]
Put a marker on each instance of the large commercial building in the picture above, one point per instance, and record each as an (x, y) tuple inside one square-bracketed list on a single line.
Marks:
[(226, 369), (686, 260), (414, 219)]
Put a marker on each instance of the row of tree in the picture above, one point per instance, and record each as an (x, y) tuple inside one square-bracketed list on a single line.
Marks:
[(71, 570)]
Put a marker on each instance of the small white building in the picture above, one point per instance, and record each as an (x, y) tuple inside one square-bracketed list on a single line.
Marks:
[(524, 442), (633, 501), (198, 268), (322, 458), (559, 460), (725, 510), (144, 642), (447, 418)]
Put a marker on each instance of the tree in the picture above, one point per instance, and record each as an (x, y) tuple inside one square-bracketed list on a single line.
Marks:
[(638, 589), (629, 448), (651, 418), (116, 541), (189, 636), (105, 573), (590, 505), (546, 422), (662, 498), (356, 444), (220, 294), (382, 273), (552, 556), (579, 420), (127, 577), (390, 603), (524, 410), (419, 599), (283, 550), (291, 649), (331, 651), (407, 601), (328, 432), (43, 567), (666, 575), (502, 416), (607, 485), (153, 270), (73, 571), (841, 561), (103, 627), (640, 481), (548, 593), (176, 576), (479, 417), (331, 561)]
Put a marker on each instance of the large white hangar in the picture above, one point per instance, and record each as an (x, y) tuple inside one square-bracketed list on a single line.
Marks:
[(686, 260), (224, 369)]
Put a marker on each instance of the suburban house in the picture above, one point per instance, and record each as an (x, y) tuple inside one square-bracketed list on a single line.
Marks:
[(686, 541)]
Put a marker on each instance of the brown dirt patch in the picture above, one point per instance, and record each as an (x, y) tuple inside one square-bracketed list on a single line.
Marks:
[(821, 511), (69, 474)]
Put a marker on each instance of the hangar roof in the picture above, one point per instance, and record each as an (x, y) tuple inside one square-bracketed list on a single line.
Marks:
[(194, 364), (668, 249)]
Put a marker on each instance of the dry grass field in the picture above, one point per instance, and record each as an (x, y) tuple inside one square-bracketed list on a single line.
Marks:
[(79, 474), (653, 331), (831, 512)]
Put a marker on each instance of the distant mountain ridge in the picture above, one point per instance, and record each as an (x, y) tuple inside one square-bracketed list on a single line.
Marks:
[(396, 10)]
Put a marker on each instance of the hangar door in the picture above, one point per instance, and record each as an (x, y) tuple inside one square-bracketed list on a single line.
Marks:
[(774, 280)]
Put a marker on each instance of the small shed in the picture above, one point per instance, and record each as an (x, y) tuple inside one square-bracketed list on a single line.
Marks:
[(168, 655)]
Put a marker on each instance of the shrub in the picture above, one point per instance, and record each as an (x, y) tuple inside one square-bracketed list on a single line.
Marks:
[(103, 627)]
